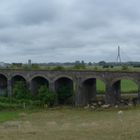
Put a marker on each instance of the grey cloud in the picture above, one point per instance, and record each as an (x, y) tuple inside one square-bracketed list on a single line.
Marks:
[(60, 30), (36, 12)]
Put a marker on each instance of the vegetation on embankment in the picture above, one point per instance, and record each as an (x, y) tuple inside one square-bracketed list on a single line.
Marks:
[(22, 97), (81, 66)]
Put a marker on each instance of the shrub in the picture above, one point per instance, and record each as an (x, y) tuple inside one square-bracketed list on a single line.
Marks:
[(59, 68), (64, 93), (35, 66), (124, 67), (46, 96), (95, 68), (79, 66), (20, 91), (9, 105)]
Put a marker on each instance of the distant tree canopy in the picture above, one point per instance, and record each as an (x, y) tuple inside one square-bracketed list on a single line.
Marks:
[(102, 63), (79, 65)]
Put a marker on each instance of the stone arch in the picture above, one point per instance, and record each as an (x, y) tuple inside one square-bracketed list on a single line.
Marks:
[(39, 75), (87, 90), (95, 77), (3, 84), (125, 77), (62, 76), (64, 88), (117, 89), (4, 74), (17, 78), (38, 81), (19, 75)]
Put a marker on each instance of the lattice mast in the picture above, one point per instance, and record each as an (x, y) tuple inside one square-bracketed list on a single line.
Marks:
[(119, 55)]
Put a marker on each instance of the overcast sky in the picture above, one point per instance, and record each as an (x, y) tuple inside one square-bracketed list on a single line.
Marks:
[(69, 30)]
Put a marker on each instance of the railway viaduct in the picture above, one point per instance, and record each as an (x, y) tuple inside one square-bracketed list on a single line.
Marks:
[(82, 82)]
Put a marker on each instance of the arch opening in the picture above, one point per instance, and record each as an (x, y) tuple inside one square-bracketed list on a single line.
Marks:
[(37, 82), (91, 90), (125, 89), (18, 80), (3, 85), (64, 90)]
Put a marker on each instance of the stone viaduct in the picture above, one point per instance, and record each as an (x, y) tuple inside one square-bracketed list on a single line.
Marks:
[(82, 82)]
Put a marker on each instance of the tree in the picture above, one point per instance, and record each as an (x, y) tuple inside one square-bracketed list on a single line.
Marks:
[(102, 63), (79, 65), (90, 64)]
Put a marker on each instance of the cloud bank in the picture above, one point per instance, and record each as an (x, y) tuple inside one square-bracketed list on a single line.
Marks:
[(60, 30)]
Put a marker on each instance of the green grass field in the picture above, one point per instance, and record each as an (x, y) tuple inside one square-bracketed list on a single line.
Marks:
[(8, 115), (127, 86), (74, 124)]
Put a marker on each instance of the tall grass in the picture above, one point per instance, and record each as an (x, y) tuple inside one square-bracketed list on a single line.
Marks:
[(76, 124)]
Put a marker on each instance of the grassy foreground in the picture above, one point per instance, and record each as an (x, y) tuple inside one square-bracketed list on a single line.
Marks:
[(74, 124)]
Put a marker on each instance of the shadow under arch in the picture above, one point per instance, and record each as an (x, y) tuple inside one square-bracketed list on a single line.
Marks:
[(17, 78), (3, 84), (94, 77), (63, 76), (37, 82), (88, 90), (39, 75), (64, 90)]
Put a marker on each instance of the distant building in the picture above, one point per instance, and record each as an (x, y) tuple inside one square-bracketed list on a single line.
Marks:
[(29, 62), (3, 65)]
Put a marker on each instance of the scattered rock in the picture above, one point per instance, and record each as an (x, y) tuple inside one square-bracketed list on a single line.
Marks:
[(120, 112), (86, 107), (106, 106), (116, 106), (93, 107), (12, 124), (94, 104), (99, 103), (130, 104)]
